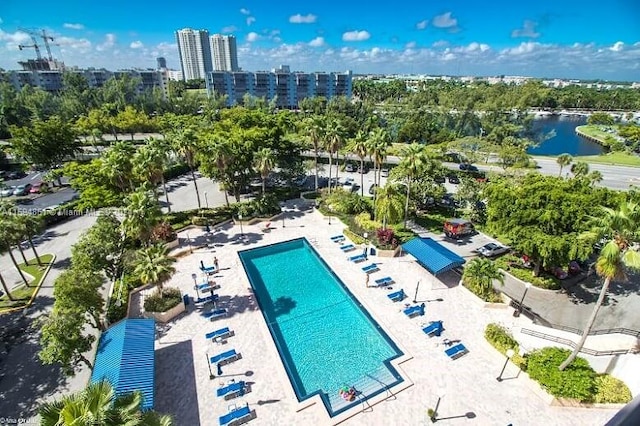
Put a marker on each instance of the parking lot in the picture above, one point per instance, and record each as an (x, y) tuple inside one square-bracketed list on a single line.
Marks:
[(32, 199)]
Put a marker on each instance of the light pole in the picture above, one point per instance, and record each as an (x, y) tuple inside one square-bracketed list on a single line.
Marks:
[(283, 210), (241, 230), (189, 242), (509, 354), (433, 414), (206, 200), (366, 243), (518, 311), (415, 296), (195, 284)]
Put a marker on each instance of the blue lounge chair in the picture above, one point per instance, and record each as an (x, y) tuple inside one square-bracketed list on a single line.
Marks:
[(200, 302), (225, 357), (347, 247), (215, 314), (337, 238), (456, 351), (236, 416), (203, 286), (384, 281), (209, 270), (433, 329), (232, 390), (414, 310), (358, 258), (219, 334), (397, 296), (370, 268)]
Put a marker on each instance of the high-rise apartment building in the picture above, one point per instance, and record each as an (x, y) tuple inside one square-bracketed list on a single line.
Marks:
[(195, 53), (224, 53)]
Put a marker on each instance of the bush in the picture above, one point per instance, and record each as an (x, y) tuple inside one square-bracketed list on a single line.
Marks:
[(163, 232), (175, 171), (157, 302), (577, 381), (488, 295), (500, 338), (387, 239), (611, 390), (363, 220), (510, 263)]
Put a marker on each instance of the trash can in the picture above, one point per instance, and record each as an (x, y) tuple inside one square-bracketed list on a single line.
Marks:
[(186, 299), (372, 251)]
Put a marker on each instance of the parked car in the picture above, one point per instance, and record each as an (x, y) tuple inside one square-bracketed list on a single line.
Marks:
[(350, 168), (439, 179), (463, 166), (7, 191), (364, 170), (22, 189), (349, 185), (16, 174), (39, 187), (457, 228), (454, 179), (491, 250), (384, 172)]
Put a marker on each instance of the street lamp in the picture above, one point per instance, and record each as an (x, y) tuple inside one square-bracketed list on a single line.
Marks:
[(241, 230), (189, 241), (433, 414), (415, 296), (509, 354), (283, 210), (206, 200), (518, 311)]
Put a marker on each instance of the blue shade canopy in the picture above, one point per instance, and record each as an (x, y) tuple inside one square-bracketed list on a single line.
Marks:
[(432, 256), (125, 358)]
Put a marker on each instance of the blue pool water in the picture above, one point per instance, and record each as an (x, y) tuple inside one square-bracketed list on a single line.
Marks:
[(325, 337)]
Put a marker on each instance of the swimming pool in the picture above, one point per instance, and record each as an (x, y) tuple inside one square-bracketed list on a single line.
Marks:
[(325, 338)]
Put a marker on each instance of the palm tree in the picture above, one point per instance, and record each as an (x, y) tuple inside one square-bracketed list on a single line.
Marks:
[(98, 404), (141, 214), (117, 165), (413, 164), (359, 147), (580, 169), (154, 265), (389, 204), (334, 139), (481, 273), (6, 288), (563, 160), (314, 127), (622, 228), (185, 144), (595, 177), (215, 157), (31, 225), (379, 147), (264, 162), (149, 163), (8, 232)]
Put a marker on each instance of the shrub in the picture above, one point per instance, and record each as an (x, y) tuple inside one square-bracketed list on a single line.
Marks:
[(387, 238), (158, 302), (488, 295), (500, 338), (163, 232), (363, 220), (510, 263), (611, 390), (577, 381)]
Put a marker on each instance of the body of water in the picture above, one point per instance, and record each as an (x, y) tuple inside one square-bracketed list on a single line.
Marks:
[(565, 139)]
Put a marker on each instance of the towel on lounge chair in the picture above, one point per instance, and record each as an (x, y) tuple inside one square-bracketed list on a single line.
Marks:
[(370, 268), (358, 258), (397, 296), (215, 314), (225, 357), (204, 300), (347, 247), (232, 390), (414, 310), (219, 334), (236, 416), (456, 351), (383, 281), (433, 329)]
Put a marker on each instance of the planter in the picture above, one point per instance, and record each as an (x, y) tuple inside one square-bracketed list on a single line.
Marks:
[(387, 253), (172, 244), (167, 315)]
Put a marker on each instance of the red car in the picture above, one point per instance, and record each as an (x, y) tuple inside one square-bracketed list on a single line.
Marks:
[(38, 187)]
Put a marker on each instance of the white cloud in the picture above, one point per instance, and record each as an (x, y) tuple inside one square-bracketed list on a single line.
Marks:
[(445, 21), (252, 36), (356, 36), (250, 20), (523, 48), (440, 43), (410, 45), (14, 39), (229, 29), (69, 43), (422, 24), (136, 44), (74, 26), (109, 42), (317, 42), (245, 11), (473, 47), (617, 46), (302, 19), (528, 30)]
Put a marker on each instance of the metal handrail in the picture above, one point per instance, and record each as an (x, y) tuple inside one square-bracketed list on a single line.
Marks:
[(573, 344)]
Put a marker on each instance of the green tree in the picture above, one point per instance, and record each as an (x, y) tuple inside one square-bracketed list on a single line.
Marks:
[(30, 226), (45, 143), (62, 341), (414, 163), (480, 274), (563, 160), (264, 163), (141, 214), (132, 121), (10, 234), (185, 143), (389, 204), (98, 405), (148, 165), (359, 147), (6, 288), (118, 165), (78, 290), (621, 227), (101, 247), (335, 135), (314, 128), (216, 158), (154, 265), (580, 169), (600, 118)]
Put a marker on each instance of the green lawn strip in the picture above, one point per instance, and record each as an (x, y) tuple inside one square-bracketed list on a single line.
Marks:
[(23, 294), (614, 158), (596, 132)]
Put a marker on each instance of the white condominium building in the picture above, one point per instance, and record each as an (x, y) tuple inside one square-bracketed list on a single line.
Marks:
[(224, 53), (195, 53)]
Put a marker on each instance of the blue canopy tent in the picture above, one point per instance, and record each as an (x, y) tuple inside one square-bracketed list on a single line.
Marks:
[(126, 358), (432, 256)]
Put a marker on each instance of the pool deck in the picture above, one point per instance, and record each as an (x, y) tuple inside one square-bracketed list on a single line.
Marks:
[(467, 387)]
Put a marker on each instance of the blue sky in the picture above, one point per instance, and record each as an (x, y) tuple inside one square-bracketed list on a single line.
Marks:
[(566, 39)]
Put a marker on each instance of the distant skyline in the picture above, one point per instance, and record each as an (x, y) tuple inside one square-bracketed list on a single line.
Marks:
[(563, 39)]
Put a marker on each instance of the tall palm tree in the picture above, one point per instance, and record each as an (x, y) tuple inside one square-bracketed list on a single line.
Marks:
[(31, 225), (264, 161), (334, 139), (379, 148), (6, 288), (622, 228), (360, 147), (580, 169), (141, 214), (149, 162), (215, 157), (563, 160), (481, 273), (154, 265), (389, 204), (8, 233), (117, 165), (314, 127), (413, 164), (595, 177), (98, 404), (185, 144)]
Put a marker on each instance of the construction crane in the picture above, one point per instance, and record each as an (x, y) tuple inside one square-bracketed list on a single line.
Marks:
[(43, 35)]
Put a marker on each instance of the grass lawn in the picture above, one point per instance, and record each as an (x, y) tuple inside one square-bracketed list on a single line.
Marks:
[(598, 132), (23, 293), (613, 158)]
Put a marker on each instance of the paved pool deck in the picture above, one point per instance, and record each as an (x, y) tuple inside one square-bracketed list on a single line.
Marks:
[(466, 388)]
